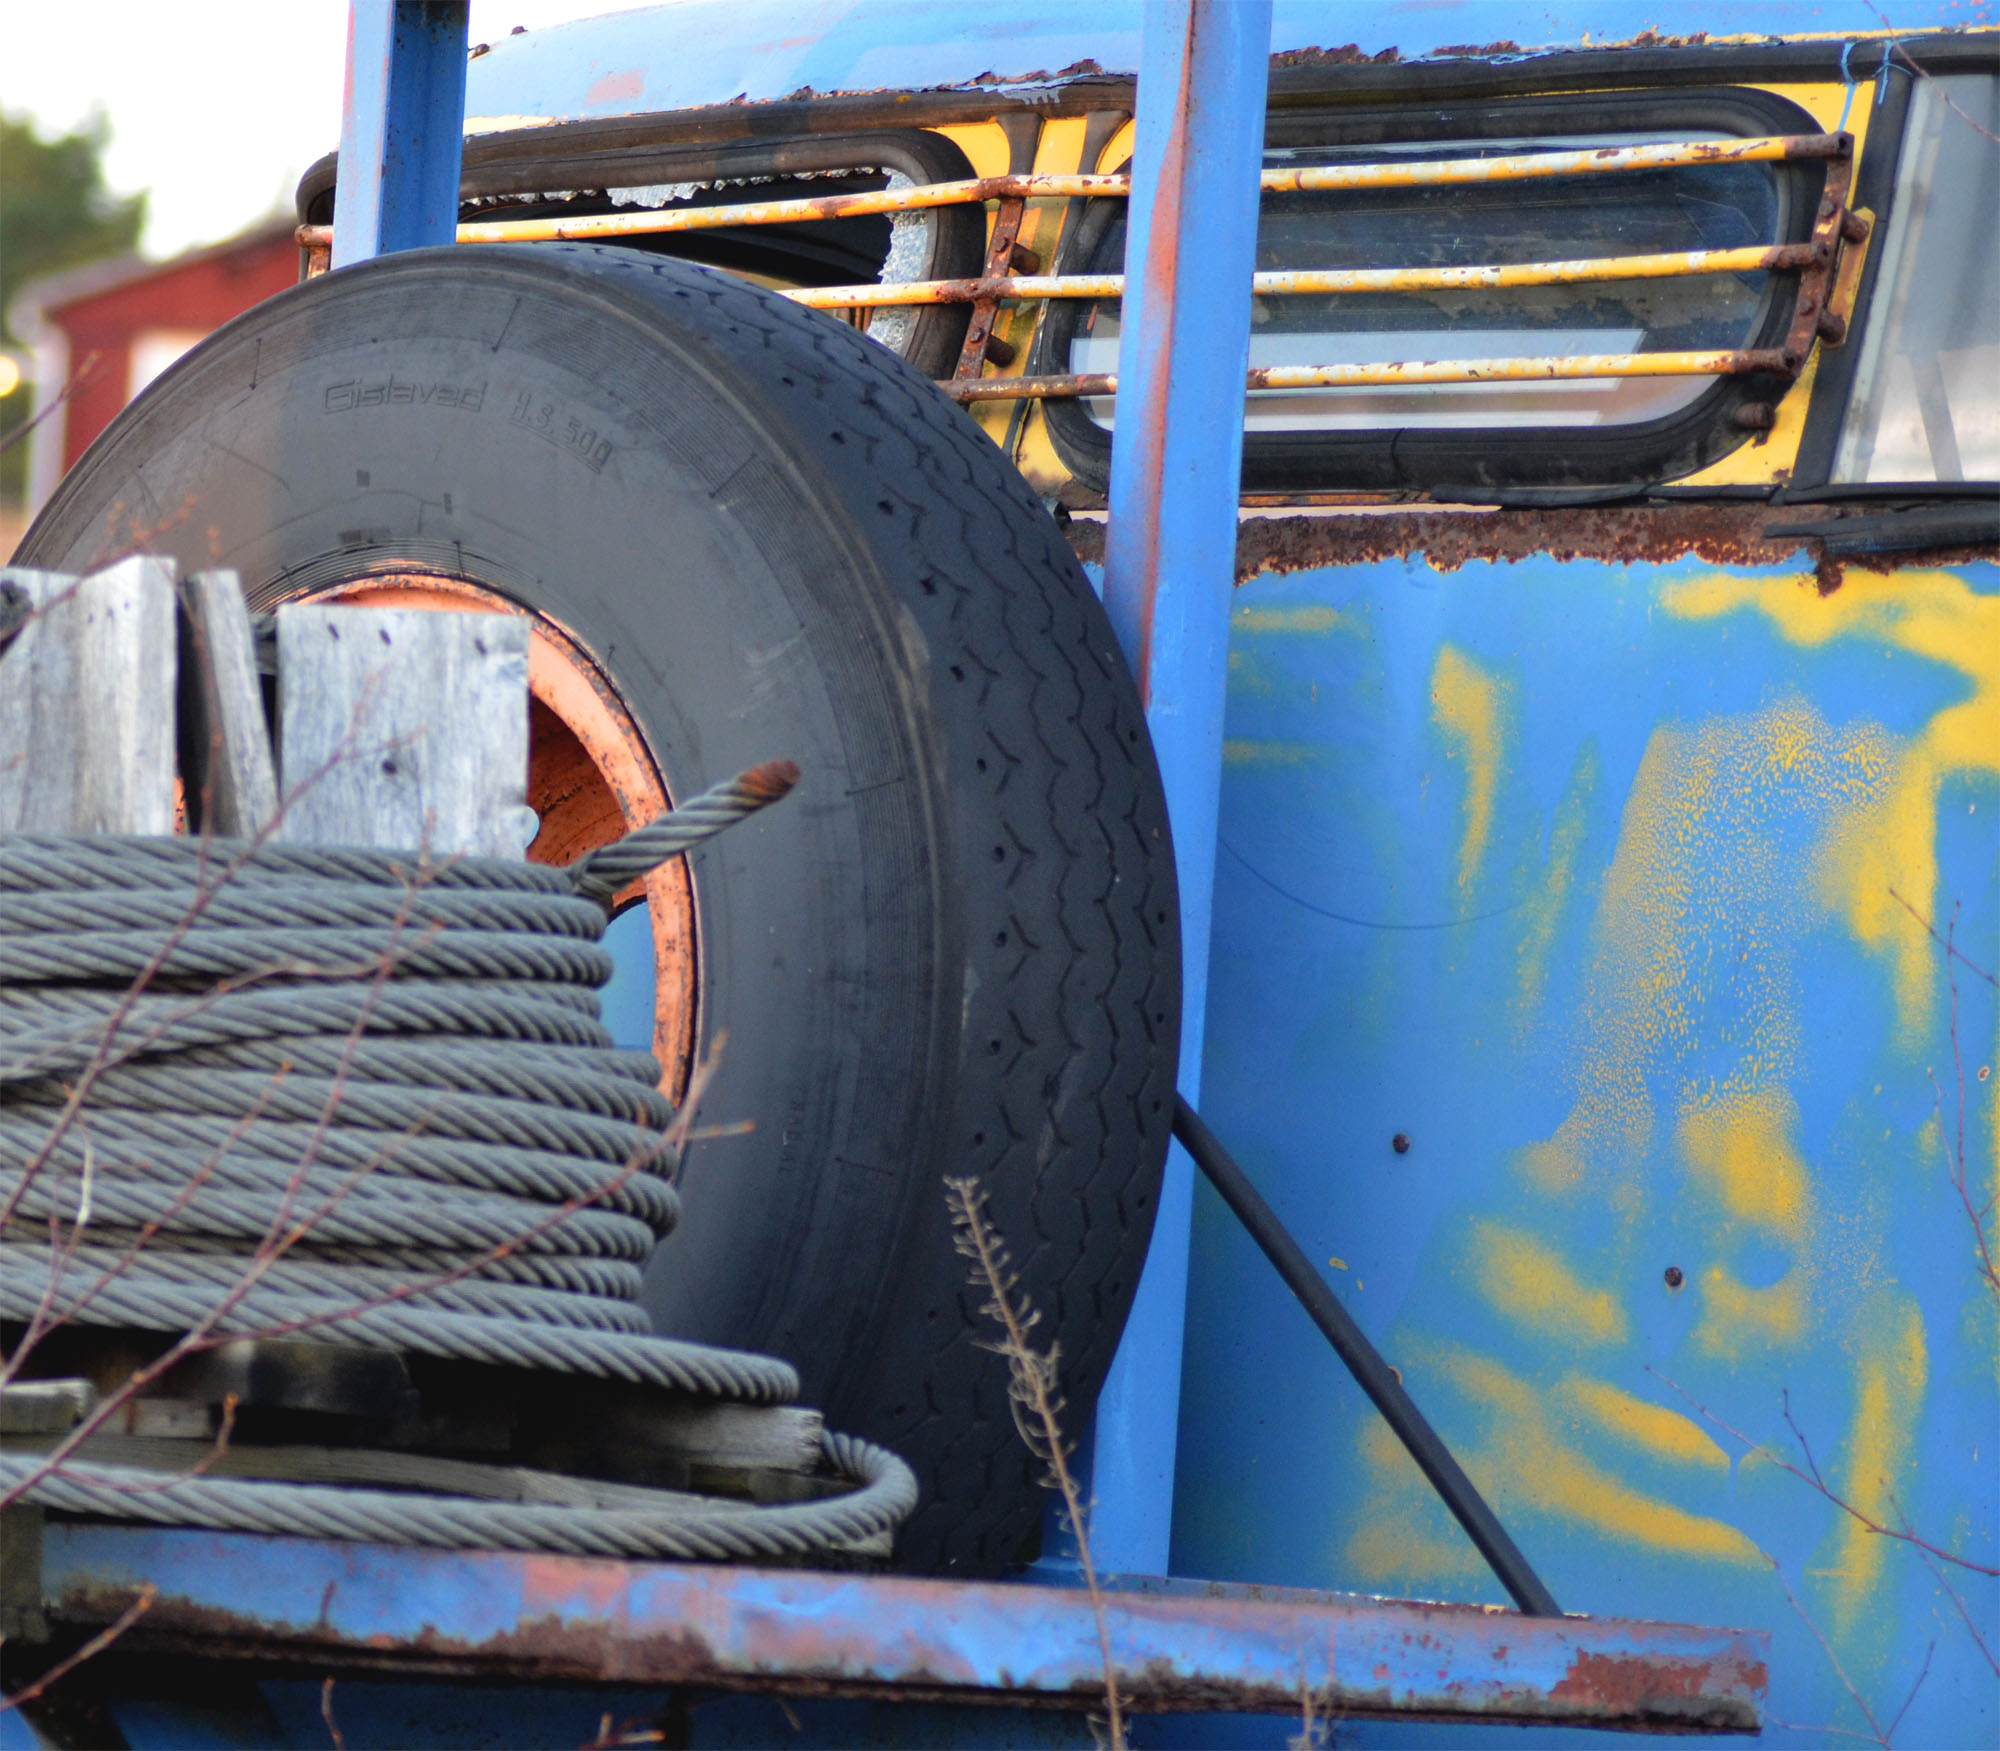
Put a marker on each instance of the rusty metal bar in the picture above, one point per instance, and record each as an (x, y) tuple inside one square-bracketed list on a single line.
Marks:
[(1392, 375), (1767, 258), (979, 340), (1528, 166), (335, 1606), (1315, 179)]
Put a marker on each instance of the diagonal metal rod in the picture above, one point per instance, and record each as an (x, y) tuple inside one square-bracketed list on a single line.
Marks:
[(1364, 1362)]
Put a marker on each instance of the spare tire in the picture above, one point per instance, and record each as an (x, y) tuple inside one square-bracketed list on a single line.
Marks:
[(954, 950)]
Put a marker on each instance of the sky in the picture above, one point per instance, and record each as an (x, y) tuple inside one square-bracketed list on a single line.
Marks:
[(215, 106)]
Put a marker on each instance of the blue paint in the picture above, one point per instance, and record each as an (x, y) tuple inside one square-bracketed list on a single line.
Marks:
[(1169, 559), (400, 127), (715, 51), (1357, 991), (627, 1001), (312, 1602)]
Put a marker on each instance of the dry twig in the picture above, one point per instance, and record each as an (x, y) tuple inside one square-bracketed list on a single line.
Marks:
[(1034, 1397), (90, 1649), (1812, 1477), (326, 1714), (1832, 1659)]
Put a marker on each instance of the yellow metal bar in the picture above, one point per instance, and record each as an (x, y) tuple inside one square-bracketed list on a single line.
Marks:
[(1762, 258), (1397, 374), (1314, 179), (1525, 166)]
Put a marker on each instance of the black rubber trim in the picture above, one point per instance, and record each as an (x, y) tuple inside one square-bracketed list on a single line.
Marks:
[(1371, 1373), (1910, 530), (1479, 459), (1875, 189)]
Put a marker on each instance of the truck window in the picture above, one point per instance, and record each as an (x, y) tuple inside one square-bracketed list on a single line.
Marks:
[(1926, 400), (1585, 431)]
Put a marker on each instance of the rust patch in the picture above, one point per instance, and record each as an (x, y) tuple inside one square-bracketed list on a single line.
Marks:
[(1637, 534), (1657, 1691), (1347, 55), (1505, 47)]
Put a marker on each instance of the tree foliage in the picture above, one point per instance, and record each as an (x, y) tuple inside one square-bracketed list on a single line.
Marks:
[(55, 211)]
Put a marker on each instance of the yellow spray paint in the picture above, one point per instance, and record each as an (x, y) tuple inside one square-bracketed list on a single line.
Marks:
[(1702, 838), (1467, 704), (1524, 1465), (1535, 1288), (1314, 617), (1649, 1428), (1246, 752), (1542, 912), (1739, 1320), (1876, 1462), (1891, 847), (1738, 1146)]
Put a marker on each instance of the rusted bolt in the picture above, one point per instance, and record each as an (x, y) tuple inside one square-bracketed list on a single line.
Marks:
[(1400, 1143), (1001, 352), (1755, 416), (1024, 260), (1853, 227), (1832, 328), (1674, 1277)]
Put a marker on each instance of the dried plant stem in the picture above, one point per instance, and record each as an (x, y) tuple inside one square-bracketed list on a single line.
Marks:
[(1867, 1714), (1812, 1477), (90, 1649), (1036, 1401)]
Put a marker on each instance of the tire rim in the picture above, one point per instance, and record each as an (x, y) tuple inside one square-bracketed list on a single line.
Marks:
[(591, 777)]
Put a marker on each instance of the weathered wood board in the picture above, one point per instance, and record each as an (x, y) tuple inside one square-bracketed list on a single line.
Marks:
[(404, 729), (87, 703)]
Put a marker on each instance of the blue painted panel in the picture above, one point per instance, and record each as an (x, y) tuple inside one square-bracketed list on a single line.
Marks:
[(1582, 878), (711, 51)]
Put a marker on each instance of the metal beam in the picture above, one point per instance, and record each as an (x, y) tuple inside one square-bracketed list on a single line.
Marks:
[(1169, 568), (494, 1614), (402, 119)]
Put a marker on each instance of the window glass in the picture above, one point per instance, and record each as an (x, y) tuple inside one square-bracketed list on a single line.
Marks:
[(1926, 403), (1723, 206)]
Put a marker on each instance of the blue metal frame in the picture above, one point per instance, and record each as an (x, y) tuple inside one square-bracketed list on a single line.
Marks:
[(337, 1607), (1169, 571), (400, 127)]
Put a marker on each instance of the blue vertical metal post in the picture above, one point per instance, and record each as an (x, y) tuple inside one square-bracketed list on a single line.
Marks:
[(1169, 570), (402, 120)]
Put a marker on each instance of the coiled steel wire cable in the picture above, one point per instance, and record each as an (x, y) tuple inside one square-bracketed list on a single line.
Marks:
[(366, 1098)]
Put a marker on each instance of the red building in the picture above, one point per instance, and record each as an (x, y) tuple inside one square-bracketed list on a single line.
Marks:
[(109, 329)]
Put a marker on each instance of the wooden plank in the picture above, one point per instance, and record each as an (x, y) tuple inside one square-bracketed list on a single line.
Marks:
[(404, 729), (87, 703), (227, 761), (42, 1407)]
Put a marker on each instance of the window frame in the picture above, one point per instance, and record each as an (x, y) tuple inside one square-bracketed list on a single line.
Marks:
[(1483, 458), (641, 152)]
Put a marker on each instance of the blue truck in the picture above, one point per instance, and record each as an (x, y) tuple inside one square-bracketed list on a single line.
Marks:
[(1533, 784)]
